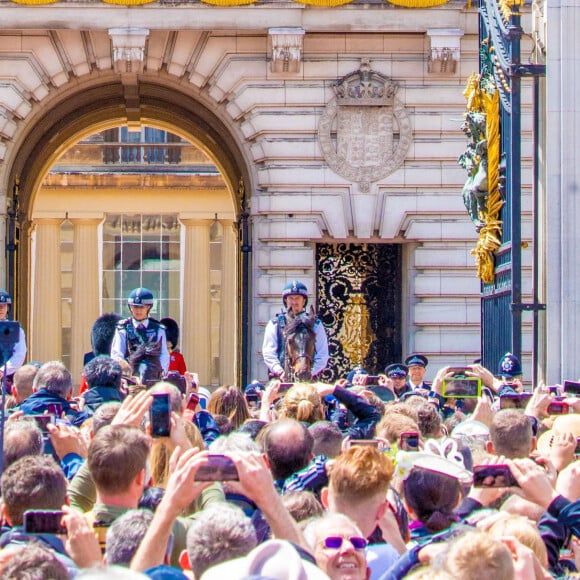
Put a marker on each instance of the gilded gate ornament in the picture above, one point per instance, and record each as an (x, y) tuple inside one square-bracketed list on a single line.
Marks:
[(356, 334), (481, 160), (365, 132)]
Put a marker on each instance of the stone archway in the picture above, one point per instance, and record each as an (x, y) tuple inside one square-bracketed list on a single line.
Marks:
[(97, 107)]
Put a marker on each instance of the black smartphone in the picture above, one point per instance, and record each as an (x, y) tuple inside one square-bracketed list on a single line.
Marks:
[(558, 408), (571, 387), (517, 401), (577, 452), (43, 421), (218, 468), (160, 415), (493, 476), (464, 388), (43, 522), (409, 441)]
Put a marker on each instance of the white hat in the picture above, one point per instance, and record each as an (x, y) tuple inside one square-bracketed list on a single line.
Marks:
[(203, 393), (274, 559), (471, 428)]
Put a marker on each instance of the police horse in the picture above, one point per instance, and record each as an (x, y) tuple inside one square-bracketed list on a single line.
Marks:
[(300, 339)]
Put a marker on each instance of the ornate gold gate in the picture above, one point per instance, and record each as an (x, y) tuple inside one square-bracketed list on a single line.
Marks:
[(359, 303)]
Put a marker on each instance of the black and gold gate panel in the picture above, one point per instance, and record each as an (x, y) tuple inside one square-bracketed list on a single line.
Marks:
[(359, 303)]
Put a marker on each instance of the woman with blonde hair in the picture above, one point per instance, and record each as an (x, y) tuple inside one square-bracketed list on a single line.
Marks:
[(303, 403), (229, 401)]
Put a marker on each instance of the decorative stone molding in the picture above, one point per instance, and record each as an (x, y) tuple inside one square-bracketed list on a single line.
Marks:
[(287, 44), (365, 132), (129, 49), (444, 50)]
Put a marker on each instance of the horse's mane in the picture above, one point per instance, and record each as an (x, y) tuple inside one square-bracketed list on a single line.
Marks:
[(306, 320)]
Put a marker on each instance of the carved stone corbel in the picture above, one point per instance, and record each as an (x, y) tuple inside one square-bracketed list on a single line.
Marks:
[(287, 45)]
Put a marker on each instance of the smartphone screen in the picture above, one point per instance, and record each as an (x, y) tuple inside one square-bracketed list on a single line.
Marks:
[(409, 441), (518, 401), (218, 468), (465, 388), (43, 421), (160, 416), (43, 522), (493, 476)]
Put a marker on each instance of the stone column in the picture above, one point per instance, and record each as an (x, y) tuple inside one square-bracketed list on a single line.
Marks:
[(562, 253), (85, 289), (45, 342), (196, 331), (228, 305)]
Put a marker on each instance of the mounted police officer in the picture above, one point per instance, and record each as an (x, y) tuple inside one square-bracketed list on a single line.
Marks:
[(141, 340), (295, 298), (19, 353)]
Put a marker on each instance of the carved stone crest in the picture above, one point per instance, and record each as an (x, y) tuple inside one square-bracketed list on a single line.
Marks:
[(365, 132)]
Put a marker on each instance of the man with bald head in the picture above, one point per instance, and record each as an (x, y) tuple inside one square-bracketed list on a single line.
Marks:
[(287, 447)]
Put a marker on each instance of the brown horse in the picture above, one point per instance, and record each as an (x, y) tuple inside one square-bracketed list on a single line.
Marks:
[(300, 340)]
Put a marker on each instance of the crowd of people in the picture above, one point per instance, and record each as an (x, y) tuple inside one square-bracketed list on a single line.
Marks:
[(381, 477)]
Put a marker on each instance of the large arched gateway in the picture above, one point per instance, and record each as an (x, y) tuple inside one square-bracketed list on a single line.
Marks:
[(168, 222)]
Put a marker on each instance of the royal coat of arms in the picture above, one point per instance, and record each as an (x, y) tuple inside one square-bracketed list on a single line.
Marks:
[(365, 132)]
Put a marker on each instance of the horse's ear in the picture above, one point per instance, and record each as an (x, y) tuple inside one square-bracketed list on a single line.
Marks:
[(312, 311)]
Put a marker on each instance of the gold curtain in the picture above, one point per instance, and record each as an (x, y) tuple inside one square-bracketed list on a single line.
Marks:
[(324, 3), (32, 2), (228, 2), (418, 3), (128, 2)]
